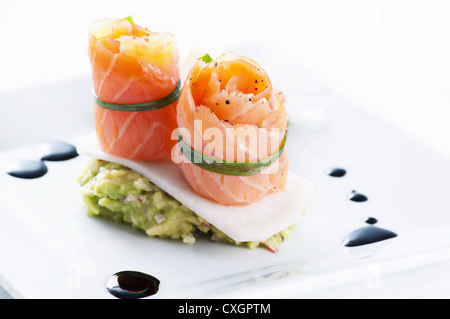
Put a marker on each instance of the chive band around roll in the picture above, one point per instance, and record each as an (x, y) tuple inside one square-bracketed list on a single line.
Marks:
[(224, 167), (142, 107)]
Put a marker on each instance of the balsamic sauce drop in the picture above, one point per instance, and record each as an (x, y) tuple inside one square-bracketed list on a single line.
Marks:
[(337, 172), (130, 284), (53, 151), (371, 220), (367, 235), (58, 151), (27, 169), (357, 197)]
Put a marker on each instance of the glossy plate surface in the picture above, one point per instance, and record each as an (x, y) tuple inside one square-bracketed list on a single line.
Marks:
[(51, 249)]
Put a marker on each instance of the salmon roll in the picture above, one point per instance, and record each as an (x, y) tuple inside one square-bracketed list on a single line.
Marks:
[(232, 127), (135, 77)]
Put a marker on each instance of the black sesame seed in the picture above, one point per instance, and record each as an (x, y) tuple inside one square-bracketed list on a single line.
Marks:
[(227, 101)]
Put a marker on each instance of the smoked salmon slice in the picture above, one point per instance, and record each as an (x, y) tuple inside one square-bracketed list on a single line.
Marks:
[(132, 65), (229, 110)]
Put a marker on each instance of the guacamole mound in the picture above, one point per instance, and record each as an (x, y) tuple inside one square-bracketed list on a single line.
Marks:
[(115, 192)]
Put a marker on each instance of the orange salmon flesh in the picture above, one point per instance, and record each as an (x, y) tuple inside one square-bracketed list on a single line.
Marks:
[(130, 65), (232, 94)]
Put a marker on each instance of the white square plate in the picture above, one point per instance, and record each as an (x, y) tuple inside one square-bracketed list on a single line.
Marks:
[(51, 249)]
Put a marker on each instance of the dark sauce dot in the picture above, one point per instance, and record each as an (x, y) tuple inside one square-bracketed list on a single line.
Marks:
[(132, 285), (367, 235), (57, 151), (27, 169), (337, 172), (371, 220), (357, 197)]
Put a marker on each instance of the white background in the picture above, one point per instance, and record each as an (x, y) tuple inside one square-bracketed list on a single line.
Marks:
[(390, 57)]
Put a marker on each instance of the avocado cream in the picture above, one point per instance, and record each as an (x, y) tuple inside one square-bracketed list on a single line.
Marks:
[(113, 191)]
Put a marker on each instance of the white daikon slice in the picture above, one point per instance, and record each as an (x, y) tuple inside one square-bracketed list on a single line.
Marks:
[(255, 222)]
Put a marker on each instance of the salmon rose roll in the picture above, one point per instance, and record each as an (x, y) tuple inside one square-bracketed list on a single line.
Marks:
[(231, 131), (135, 76)]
